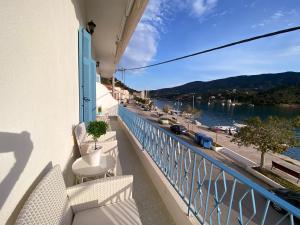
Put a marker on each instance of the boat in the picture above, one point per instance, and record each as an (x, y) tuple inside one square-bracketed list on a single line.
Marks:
[(197, 123), (239, 125), (224, 128)]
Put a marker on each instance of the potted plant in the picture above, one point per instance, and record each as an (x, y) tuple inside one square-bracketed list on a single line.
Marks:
[(96, 129)]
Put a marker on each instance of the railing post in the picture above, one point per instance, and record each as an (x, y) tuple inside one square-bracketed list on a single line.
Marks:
[(192, 184), (144, 135)]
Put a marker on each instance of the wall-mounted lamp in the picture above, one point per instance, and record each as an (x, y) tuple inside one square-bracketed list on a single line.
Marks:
[(91, 27), (97, 64)]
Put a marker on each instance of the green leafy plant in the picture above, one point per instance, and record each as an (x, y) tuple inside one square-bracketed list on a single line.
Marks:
[(96, 129), (271, 135)]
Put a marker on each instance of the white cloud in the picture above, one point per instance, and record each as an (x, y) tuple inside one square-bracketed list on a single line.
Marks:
[(143, 45), (291, 51), (277, 15), (201, 7)]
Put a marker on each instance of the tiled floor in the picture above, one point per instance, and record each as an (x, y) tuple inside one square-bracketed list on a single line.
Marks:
[(150, 205)]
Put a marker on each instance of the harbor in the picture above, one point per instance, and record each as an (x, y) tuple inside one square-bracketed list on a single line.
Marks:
[(239, 157), (216, 115)]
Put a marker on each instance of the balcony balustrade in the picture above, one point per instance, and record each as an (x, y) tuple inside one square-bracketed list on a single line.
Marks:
[(211, 191)]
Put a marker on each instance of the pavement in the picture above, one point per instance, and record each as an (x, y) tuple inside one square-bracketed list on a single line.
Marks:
[(150, 205)]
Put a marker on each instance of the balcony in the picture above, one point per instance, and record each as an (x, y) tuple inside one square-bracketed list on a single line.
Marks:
[(176, 183), (147, 198)]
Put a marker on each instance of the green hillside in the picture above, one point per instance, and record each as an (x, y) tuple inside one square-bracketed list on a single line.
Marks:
[(280, 88)]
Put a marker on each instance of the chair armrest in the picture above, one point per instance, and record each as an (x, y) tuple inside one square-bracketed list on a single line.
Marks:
[(100, 192)]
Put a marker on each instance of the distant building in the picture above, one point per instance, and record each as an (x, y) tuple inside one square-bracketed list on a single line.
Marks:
[(138, 94)]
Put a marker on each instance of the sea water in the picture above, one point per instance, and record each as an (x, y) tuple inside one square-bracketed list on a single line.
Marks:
[(216, 114)]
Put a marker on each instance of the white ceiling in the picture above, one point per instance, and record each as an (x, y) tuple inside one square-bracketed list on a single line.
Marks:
[(110, 16)]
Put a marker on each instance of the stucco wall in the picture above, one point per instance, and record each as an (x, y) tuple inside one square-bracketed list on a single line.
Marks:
[(38, 94), (105, 99)]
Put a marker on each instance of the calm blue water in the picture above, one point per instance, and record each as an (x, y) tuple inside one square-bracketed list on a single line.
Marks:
[(216, 114)]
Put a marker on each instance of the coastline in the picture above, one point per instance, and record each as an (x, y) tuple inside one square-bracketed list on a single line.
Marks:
[(249, 154), (293, 106), (215, 115)]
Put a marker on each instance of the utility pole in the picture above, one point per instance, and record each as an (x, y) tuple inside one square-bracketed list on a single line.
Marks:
[(193, 102)]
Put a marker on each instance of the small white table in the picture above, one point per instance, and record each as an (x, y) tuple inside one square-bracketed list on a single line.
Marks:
[(82, 169)]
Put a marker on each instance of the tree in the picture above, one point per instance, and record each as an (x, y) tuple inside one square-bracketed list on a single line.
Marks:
[(151, 104), (296, 122), (166, 108), (192, 111), (273, 134), (96, 129)]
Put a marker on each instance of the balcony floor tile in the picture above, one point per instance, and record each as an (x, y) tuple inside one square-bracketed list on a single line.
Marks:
[(150, 205)]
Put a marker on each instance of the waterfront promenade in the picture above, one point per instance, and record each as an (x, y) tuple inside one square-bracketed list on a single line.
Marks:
[(225, 141)]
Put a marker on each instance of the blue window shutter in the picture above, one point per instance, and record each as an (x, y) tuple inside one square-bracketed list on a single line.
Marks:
[(87, 104), (86, 57), (80, 75), (93, 88), (87, 78)]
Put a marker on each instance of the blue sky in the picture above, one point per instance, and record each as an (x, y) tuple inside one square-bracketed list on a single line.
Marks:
[(172, 28)]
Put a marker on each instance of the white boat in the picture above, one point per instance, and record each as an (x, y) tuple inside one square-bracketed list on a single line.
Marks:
[(224, 128), (239, 125), (197, 123)]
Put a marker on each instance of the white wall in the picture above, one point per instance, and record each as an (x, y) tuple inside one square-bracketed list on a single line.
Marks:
[(38, 94), (105, 99)]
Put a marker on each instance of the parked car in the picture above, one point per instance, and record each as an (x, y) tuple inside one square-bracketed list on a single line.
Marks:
[(163, 120), (178, 129), (203, 140), (290, 196)]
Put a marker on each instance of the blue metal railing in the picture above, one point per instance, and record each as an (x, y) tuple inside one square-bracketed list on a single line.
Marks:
[(213, 192)]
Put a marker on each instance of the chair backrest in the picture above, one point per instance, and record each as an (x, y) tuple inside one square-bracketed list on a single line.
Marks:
[(48, 203), (80, 133)]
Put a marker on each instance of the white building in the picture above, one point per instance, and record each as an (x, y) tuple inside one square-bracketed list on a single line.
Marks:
[(42, 90), (105, 103)]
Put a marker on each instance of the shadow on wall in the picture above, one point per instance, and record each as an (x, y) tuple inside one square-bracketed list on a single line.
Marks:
[(21, 146)]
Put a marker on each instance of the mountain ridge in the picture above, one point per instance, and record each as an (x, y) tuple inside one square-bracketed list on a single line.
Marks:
[(245, 82)]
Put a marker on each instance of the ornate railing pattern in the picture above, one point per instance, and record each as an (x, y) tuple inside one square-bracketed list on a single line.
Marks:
[(213, 192)]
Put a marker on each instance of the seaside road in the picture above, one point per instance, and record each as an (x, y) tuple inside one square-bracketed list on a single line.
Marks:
[(272, 215)]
